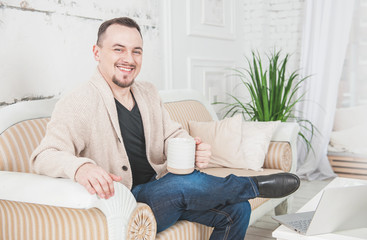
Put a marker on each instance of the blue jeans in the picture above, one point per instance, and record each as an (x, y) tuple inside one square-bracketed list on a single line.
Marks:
[(218, 202)]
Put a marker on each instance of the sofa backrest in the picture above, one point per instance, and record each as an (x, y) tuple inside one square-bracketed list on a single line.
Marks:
[(189, 105), (22, 127), (185, 111), (18, 142)]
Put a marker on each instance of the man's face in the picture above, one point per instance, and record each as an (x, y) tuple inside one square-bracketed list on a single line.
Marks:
[(119, 54)]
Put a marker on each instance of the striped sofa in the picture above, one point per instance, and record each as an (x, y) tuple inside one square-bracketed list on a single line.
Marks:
[(39, 207)]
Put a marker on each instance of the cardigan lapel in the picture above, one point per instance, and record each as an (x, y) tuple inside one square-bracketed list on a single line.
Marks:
[(108, 99)]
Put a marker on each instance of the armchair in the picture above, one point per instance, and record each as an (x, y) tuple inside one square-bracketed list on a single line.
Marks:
[(40, 207)]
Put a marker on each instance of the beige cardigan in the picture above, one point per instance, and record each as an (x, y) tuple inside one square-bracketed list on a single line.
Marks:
[(84, 128)]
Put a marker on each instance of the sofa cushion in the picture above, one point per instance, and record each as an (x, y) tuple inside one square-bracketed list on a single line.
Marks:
[(255, 142), (224, 138), (236, 144)]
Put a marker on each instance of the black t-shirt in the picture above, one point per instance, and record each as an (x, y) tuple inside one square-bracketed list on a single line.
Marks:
[(132, 132)]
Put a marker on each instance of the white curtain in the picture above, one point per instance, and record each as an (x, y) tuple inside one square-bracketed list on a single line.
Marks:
[(325, 38)]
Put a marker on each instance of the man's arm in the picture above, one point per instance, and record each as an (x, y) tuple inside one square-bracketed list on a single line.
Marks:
[(58, 154)]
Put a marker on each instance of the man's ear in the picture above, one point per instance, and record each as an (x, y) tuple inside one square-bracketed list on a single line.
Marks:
[(96, 52)]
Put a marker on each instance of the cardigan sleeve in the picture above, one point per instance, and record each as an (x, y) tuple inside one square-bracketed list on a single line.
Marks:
[(66, 137)]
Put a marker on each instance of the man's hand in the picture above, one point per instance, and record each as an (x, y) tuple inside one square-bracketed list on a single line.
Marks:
[(203, 153), (96, 180)]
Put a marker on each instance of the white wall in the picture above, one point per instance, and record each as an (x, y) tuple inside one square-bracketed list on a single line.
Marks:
[(270, 24), (46, 46), (205, 41), (267, 25)]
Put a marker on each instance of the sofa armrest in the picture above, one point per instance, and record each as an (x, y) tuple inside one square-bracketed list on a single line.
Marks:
[(142, 223), (288, 132), (39, 189), (279, 156)]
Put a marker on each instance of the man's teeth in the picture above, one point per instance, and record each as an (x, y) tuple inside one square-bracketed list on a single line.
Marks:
[(125, 69)]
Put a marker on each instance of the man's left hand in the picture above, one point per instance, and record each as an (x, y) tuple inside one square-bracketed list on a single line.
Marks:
[(202, 154)]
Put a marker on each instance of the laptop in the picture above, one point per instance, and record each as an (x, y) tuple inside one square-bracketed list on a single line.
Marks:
[(339, 209)]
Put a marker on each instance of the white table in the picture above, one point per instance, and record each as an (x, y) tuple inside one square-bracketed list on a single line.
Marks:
[(284, 233)]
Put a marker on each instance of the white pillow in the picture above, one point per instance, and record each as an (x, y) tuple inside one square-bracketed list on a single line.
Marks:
[(236, 144), (224, 137), (351, 140), (255, 142)]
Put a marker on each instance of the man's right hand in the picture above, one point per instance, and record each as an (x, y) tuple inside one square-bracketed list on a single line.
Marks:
[(96, 180)]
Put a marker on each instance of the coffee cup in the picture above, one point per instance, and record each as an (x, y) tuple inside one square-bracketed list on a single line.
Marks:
[(181, 155)]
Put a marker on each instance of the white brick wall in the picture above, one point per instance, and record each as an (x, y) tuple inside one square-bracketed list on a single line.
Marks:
[(269, 24), (46, 46)]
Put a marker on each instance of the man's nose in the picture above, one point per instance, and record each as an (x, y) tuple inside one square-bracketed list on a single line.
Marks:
[(128, 57)]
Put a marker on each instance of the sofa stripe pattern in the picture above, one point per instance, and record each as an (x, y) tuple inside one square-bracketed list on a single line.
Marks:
[(279, 156), (185, 230), (185, 111), (33, 222), (18, 142)]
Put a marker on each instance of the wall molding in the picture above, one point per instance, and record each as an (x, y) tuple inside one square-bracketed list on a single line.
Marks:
[(211, 77), (167, 43), (211, 18)]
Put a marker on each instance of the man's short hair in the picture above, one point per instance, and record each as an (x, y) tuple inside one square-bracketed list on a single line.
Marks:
[(124, 21)]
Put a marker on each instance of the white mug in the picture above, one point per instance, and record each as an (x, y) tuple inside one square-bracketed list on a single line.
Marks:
[(181, 155)]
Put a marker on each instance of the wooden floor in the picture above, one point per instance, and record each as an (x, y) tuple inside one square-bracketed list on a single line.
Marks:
[(262, 229)]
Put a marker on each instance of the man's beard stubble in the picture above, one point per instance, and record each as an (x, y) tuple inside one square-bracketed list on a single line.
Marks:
[(122, 84)]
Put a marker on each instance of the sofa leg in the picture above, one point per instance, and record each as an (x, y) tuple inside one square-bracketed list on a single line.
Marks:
[(282, 208)]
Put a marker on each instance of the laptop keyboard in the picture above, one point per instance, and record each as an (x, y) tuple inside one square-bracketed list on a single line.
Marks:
[(301, 225)]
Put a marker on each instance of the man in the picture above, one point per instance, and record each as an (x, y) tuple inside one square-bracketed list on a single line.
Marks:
[(116, 129)]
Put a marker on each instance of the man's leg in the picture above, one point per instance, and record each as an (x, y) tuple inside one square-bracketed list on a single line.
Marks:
[(229, 222), (172, 195)]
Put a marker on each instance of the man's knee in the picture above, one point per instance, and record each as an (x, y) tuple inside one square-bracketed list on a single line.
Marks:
[(242, 212), (234, 214), (187, 184), (171, 189)]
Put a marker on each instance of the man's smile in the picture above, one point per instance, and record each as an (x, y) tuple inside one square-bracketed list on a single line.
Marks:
[(125, 68)]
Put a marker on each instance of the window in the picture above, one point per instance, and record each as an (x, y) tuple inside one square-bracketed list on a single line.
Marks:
[(353, 83)]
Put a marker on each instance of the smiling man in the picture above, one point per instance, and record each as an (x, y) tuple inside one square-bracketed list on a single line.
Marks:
[(114, 128), (121, 50)]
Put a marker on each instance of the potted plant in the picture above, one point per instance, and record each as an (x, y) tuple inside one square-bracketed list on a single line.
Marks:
[(273, 94)]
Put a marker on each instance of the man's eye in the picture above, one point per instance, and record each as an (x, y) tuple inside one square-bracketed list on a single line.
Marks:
[(118, 50), (137, 52)]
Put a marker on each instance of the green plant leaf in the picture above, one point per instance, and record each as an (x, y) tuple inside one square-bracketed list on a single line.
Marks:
[(273, 93)]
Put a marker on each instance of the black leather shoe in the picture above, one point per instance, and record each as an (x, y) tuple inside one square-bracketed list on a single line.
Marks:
[(277, 185)]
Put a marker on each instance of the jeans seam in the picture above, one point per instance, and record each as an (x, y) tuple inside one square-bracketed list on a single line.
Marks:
[(228, 228), (253, 187)]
